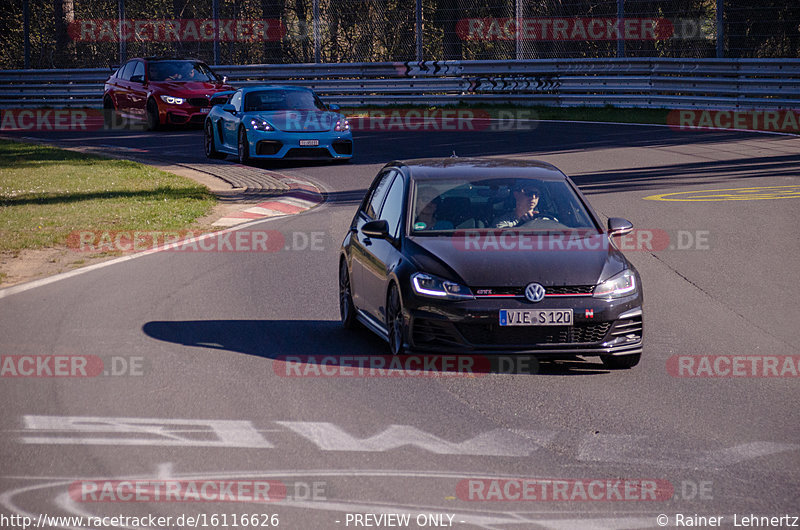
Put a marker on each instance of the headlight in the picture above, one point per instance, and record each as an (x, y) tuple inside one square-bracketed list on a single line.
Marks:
[(261, 125), (341, 125), (427, 285), (617, 286), (172, 100)]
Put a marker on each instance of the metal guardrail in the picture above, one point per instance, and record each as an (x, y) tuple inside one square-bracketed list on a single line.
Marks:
[(648, 83)]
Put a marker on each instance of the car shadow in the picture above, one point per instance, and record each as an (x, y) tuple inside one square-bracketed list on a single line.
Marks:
[(275, 164), (325, 342)]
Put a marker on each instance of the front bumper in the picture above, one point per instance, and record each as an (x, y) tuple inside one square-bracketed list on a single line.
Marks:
[(277, 144), (182, 114), (614, 327)]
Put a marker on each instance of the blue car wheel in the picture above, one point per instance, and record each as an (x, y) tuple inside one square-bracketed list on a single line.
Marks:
[(244, 147)]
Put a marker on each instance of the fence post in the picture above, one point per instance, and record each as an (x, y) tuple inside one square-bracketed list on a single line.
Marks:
[(26, 29), (720, 29), (620, 24), (517, 21), (123, 45), (418, 26), (215, 16), (317, 54)]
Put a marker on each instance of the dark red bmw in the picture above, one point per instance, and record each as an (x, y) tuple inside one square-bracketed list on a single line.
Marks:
[(164, 91)]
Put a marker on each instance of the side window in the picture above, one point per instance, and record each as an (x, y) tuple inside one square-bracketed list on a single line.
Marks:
[(138, 72), (236, 101), (127, 71), (375, 201), (393, 206)]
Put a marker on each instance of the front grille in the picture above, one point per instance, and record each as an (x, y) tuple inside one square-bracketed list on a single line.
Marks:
[(343, 147), (533, 335), (560, 290), (631, 328), (308, 152), (268, 147), (569, 289), (199, 102), (427, 332), (177, 118), (495, 291)]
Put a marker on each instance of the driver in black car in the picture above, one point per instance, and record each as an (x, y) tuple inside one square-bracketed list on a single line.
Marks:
[(526, 197)]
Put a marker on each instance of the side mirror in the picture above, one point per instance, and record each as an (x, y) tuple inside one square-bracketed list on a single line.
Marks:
[(617, 226), (137, 79), (229, 108), (334, 107), (378, 229)]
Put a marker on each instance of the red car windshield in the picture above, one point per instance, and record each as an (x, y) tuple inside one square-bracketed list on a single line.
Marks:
[(181, 71)]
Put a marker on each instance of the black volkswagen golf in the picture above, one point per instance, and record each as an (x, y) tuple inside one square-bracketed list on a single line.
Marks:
[(462, 255)]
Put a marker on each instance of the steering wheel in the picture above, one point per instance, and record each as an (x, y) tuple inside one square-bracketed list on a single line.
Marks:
[(539, 219)]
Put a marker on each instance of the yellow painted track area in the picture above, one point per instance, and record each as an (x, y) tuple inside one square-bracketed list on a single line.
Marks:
[(730, 194)]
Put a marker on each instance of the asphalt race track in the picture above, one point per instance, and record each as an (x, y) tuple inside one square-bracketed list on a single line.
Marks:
[(209, 398)]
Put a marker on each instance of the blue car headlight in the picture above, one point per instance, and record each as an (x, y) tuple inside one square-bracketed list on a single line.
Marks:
[(261, 125), (617, 286), (433, 287), (341, 125)]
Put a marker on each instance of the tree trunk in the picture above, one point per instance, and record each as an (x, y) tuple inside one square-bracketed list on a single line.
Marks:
[(65, 48), (272, 10)]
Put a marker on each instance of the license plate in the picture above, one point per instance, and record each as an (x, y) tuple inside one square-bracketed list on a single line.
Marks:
[(204, 110), (306, 143), (536, 317)]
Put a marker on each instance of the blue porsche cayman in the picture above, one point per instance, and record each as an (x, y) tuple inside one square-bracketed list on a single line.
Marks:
[(277, 122)]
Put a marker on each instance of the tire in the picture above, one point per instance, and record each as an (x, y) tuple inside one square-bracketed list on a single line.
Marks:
[(621, 362), (243, 149), (153, 119), (347, 310), (109, 114), (209, 143), (395, 322)]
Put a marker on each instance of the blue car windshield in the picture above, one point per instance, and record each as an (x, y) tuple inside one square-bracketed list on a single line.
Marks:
[(270, 100), (447, 206)]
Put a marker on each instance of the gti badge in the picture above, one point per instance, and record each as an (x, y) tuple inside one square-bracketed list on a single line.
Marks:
[(534, 292)]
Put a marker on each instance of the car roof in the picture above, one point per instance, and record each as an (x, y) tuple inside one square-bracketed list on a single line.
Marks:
[(157, 58), (479, 168), (274, 87)]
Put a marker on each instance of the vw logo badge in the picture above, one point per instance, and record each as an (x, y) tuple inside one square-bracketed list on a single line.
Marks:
[(534, 292)]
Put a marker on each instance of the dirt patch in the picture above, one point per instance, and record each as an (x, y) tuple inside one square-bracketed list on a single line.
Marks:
[(31, 264), (27, 265)]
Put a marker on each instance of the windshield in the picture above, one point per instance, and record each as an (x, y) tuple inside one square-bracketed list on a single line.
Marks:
[(498, 204), (181, 71), (267, 100)]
